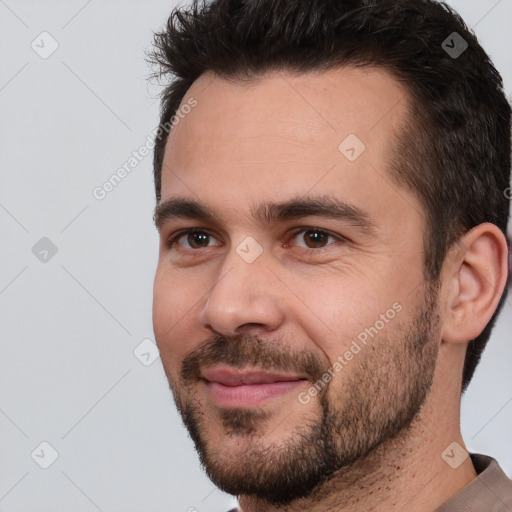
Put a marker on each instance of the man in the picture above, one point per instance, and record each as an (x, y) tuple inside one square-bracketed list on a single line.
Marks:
[(332, 211)]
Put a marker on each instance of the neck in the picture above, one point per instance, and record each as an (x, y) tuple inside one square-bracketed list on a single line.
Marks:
[(404, 473)]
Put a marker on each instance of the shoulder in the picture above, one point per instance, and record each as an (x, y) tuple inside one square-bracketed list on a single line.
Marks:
[(491, 490)]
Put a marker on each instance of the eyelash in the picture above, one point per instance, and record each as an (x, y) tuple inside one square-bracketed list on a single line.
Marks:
[(173, 240)]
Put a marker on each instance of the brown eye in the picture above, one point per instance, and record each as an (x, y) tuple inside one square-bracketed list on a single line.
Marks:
[(314, 238), (193, 239), (198, 239)]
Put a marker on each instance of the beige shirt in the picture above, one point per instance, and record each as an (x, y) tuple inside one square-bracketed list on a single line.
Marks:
[(490, 491)]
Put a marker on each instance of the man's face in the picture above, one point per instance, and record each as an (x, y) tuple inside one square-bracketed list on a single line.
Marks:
[(293, 322)]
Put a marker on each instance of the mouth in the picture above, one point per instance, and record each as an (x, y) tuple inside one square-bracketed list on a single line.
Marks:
[(247, 387)]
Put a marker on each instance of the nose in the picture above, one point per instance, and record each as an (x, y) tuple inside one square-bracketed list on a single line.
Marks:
[(244, 298)]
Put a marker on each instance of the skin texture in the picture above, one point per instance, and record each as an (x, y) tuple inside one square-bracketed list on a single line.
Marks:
[(393, 408)]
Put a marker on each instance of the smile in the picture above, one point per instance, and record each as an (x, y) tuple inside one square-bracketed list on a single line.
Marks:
[(234, 387)]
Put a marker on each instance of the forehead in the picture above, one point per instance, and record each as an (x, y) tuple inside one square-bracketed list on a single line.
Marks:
[(286, 134)]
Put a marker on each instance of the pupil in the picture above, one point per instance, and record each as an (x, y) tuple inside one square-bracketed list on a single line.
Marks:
[(197, 239), (315, 238)]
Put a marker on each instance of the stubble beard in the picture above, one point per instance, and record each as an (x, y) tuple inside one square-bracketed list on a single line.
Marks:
[(384, 389)]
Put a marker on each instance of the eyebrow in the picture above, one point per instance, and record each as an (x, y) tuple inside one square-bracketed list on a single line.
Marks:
[(270, 212)]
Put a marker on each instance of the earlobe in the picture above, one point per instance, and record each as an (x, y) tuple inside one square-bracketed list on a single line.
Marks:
[(477, 275)]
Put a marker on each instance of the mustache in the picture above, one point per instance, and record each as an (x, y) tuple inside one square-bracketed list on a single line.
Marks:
[(242, 350)]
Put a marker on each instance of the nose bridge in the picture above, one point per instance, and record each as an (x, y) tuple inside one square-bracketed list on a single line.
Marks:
[(243, 293)]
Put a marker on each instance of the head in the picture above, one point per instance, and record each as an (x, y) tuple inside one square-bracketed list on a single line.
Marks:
[(343, 176)]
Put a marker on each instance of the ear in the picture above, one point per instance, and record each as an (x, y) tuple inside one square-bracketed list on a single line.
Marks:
[(475, 274)]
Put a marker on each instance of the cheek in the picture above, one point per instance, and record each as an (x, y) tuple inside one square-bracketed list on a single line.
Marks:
[(337, 303), (345, 311), (173, 307)]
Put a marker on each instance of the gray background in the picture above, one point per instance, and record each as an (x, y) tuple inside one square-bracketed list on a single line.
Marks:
[(70, 323)]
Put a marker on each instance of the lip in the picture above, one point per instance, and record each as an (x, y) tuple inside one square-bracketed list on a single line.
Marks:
[(249, 387), (229, 376)]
